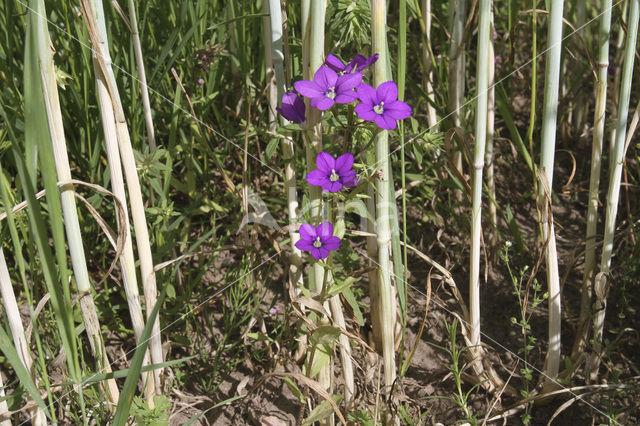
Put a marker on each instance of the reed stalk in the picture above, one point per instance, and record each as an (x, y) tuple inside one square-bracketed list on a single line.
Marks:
[(602, 282), (457, 67), (69, 210), (12, 313), (488, 155), (135, 197), (616, 78), (94, 19), (594, 180), (549, 121), (383, 228), (142, 75), (313, 24), (277, 84), (4, 407), (482, 79), (581, 100), (432, 118)]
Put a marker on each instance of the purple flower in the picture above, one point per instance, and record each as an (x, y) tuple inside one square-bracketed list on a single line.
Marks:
[(361, 62), (319, 241), (327, 88), (293, 108), (275, 310), (382, 105), (200, 82), (358, 63), (333, 62), (333, 174)]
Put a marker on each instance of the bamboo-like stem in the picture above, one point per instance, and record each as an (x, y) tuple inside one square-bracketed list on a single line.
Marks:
[(613, 193), (142, 75), (482, 79), (94, 14), (276, 83), (432, 118), (12, 312), (550, 117), (4, 407), (69, 210), (345, 352), (616, 79), (137, 205), (581, 101), (488, 155), (457, 67), (313, 41), (383, 229), (594, 179)]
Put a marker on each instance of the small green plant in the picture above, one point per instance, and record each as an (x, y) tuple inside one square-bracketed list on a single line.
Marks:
[(523, 291), (460, 398), (157, 416)]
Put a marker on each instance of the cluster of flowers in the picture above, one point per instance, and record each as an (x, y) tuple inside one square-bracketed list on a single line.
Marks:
[(333, 175), (336, 82)]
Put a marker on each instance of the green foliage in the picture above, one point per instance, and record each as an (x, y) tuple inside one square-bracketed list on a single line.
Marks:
[(158, 416)]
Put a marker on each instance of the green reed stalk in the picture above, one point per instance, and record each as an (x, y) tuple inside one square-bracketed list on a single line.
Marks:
[(432, 118), (313, 43), (581, 100), (549, 120), (276, 82), (383, 229), (35, 162), (147, 272), (482, 79), (94, 19), (613, 193), (488, 155), (457, 67), (616, 78), (594, 179), (4, 407), (142, 75), (14, 319), (67, 198)]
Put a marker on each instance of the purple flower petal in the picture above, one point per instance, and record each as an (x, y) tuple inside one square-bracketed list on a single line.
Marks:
[(322, 103), (344, 163), (348, 82), (304, 245), (293, 108), (334, 63), (331, 243), (364, 63), (398, 110), (307, 232), (349, 182), (315, 252), (388, 91), (324, 252), (385, 122), (329, 186), (347, 177), (367, 94), (325, 163), (325, 77), (365, 111), (346, 97), (325, 230), (317, 177), (308, 89)]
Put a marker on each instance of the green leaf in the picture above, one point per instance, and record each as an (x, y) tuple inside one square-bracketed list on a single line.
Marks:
[(322, 411), (337, 289), (6, 345), (351, 300)]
